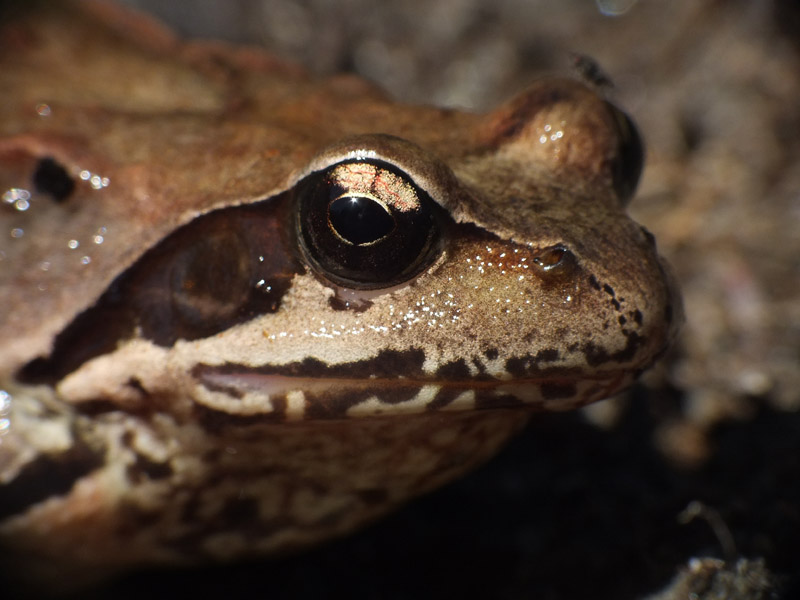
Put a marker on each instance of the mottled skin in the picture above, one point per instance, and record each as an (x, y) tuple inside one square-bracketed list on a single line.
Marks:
[(330, 406)]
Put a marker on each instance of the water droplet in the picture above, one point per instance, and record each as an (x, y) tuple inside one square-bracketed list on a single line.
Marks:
[(43, 109), (14, 195), (17, 232)]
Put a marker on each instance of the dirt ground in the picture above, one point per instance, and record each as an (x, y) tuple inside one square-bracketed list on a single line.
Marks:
[(593, 505)]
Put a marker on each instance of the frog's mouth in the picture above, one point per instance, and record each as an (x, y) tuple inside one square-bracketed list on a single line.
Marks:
[(246, 391)]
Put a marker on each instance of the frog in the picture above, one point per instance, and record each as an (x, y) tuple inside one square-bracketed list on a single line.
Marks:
[(247, 310)]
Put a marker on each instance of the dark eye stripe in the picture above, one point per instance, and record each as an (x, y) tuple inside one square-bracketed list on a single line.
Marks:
[(223, 268)]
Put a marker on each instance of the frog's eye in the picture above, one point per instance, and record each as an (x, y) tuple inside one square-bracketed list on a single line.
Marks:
[(365, 224)]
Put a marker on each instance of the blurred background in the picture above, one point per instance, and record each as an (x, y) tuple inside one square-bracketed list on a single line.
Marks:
[(587, 505)]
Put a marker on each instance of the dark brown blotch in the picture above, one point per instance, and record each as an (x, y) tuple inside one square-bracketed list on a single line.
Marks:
[(456, 370), (597, 355), (47, 476), (143, 468), (531, 364)]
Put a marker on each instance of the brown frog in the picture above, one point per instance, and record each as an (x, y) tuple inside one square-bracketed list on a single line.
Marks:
[(246, 311)]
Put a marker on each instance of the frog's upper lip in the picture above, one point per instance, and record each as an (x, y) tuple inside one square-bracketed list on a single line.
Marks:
[(337, 397)]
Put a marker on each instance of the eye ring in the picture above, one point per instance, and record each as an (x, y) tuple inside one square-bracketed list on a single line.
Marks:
[(365, 224)]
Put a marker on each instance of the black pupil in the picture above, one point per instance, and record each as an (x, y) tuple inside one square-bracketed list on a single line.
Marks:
[(359, 220)]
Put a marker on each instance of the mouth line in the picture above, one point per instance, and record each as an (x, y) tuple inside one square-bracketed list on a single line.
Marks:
[(250, 392), (244, 380)]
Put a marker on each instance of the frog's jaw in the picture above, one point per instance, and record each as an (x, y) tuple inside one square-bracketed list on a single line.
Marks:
[(278, 488)]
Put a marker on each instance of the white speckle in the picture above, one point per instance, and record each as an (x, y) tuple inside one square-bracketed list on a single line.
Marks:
[(73, 244), (5, 425), (45, 265), (362, 154), (85, 260), (98, 239), (85, 175)]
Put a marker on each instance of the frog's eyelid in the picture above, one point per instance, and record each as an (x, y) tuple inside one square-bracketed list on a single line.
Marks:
[(422, 167)]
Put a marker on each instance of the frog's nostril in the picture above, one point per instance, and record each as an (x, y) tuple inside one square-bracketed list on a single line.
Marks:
[(51, 178), (556, 261)]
